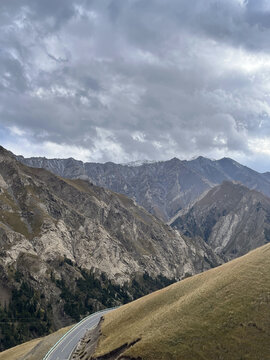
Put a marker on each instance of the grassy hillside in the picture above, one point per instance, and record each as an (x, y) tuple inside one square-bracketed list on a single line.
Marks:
[(223, 313), (34, 349)]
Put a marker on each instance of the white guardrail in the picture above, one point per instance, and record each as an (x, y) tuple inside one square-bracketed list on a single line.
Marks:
[(46, 357)]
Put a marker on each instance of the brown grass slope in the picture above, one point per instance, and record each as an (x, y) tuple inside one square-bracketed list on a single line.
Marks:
[(223, 313), (34, 349)]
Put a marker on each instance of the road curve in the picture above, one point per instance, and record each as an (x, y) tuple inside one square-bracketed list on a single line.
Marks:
[(62, 350)]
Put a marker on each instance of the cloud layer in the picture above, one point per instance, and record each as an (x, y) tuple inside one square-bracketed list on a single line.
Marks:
[(120, 80)]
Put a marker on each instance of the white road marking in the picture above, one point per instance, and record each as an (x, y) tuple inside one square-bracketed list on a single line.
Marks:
[(75, 335), (67, 344)]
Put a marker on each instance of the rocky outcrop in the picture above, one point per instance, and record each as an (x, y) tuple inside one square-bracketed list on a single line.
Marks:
[(231, 218), (163, 188)]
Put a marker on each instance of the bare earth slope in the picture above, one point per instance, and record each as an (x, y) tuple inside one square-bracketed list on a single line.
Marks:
[(231, 218), (223, 314)]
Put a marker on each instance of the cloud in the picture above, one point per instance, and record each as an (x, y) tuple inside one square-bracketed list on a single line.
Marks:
[(127, 80)]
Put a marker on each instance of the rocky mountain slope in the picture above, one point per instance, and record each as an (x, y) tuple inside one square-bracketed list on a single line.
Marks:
[(231, 218), (267, 175), (164, 187), (69, 247), (223, 313)]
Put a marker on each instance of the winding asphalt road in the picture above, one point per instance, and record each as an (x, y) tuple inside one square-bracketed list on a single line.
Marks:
[(62, 350)]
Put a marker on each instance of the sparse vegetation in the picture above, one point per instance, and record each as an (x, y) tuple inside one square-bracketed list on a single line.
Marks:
[(14, 221)]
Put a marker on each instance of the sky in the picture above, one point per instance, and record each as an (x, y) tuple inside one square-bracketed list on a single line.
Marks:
[(126, 80)]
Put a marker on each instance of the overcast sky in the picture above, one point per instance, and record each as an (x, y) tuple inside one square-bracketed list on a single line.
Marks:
[(122, 80)]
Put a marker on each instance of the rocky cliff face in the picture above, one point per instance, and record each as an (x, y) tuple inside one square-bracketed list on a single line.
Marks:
[(231, 218), (163, 188), (53, 231)]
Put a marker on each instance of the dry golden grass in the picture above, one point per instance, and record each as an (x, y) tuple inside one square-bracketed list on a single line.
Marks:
[(14, 221), (80, 185), (17, 352), (35, 349), (223, 313)]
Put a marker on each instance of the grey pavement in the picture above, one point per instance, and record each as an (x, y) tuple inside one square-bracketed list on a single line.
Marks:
[(66, 345)]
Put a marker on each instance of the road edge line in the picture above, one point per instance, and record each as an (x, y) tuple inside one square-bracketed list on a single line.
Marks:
[(73, 328)]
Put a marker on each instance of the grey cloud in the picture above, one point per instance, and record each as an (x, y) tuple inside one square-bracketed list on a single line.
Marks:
[(13, 76), (124, 67), (57, 12)]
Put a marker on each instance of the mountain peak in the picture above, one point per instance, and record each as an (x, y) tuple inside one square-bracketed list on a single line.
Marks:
[(202, 159), (174, 160), (229, 160)]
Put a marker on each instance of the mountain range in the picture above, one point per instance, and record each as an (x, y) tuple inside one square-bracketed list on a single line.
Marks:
[(72, 241), (162, 188), (69, 247), (231, 218)]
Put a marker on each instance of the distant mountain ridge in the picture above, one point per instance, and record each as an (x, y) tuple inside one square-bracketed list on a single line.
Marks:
[(164, 187)]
